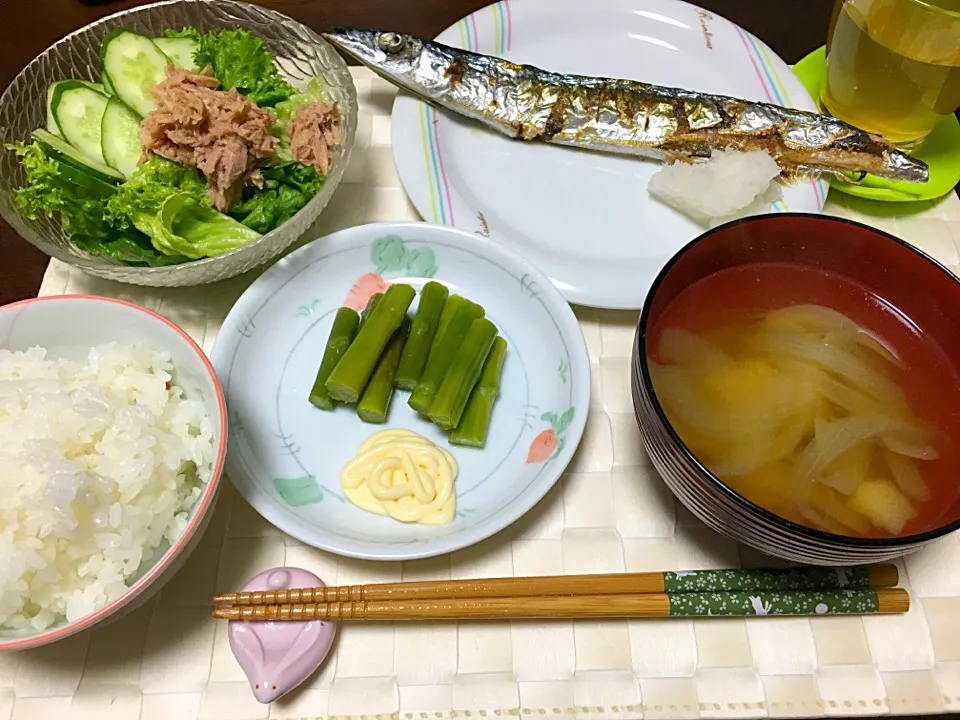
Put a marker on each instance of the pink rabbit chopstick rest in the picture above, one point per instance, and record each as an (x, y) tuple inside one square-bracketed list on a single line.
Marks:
[(276, 656)]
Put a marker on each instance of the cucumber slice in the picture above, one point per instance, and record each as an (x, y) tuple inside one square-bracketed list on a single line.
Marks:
[(51, 121), (69, 155), (107, 87), (179, 50), (78, 111), (133, 65), (83, 177), (120, 137)]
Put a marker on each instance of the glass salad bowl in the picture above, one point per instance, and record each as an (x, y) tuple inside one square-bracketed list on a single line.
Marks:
[(301, 54)]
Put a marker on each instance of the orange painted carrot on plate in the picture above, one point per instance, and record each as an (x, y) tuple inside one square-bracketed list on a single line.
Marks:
[(363, 289), (542, 446)]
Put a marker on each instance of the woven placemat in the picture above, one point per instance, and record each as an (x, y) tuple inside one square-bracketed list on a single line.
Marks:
[(169, 661)]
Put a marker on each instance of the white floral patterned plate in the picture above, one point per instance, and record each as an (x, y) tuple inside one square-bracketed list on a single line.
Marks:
[(285, 455)]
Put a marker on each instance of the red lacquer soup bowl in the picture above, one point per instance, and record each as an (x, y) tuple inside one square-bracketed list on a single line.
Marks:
[(770, 261)]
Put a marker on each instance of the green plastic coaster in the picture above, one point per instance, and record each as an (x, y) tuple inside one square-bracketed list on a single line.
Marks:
[(941, 150)]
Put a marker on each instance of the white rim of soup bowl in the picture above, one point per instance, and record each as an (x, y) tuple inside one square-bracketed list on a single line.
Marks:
[(199, 512)]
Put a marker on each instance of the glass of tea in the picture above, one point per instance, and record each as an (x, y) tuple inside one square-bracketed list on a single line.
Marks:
[(893, 66)]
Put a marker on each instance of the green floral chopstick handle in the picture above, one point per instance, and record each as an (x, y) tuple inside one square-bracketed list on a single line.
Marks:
[(736, 604), (804, 578)]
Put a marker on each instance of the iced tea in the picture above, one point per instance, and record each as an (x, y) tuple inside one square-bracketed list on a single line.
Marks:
[(893, 66)]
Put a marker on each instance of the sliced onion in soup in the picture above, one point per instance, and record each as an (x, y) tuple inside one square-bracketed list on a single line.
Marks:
[(828, 502), (906, 475), (770, 486), (834, 438), (676, 390), (850, 469), (815, 319), (834, 359), (874, 344), (855, 402), (681, 347), (822, 522), (910, 441)]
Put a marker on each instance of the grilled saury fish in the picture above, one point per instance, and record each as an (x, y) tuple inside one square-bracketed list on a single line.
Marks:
[(621, 116)]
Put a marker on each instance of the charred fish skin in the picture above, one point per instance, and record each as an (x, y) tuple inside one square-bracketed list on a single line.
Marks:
[(620, 116)]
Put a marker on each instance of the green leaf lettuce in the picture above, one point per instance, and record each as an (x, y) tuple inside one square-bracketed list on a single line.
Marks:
[(286, 189), (132, 248), (315, 91), (185, 226), (168, 203), (242, 60), (153, 182), (57, 188), (54, 188)]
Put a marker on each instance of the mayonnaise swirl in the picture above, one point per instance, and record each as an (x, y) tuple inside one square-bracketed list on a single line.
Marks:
[(402, 474)]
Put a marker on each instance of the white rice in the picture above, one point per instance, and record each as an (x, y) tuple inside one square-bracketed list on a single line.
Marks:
[(731, 184), (100, 464)]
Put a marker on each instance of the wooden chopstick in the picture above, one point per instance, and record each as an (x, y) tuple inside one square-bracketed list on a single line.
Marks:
[(788, 579), (724, 604)]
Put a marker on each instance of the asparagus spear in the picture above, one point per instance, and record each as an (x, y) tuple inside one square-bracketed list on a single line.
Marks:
[(473, 427), (371, 304), (433, 300), (375, 401), (453, 304), (451, 307), (351, 374), (442, 355), (462, 375), (344, 328)]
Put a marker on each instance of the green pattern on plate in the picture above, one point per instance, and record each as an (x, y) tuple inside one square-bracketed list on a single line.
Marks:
[(390, 254), (823, 602), (814, 578), (298, 491), (307, 309)]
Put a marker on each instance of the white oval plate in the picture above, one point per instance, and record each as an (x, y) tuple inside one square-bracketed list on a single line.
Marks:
[(585, 219), (285, 455)]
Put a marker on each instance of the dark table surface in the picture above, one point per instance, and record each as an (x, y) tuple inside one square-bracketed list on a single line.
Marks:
[(791, 27)]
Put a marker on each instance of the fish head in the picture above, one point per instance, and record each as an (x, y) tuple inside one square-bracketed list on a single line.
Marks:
[(394, 56), (877, 155), (901, 166)]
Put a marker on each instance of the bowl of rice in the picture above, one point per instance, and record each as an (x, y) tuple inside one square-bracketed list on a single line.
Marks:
[(113, 433)]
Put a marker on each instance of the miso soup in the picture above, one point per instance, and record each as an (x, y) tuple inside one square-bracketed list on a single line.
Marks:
[(811, 397)]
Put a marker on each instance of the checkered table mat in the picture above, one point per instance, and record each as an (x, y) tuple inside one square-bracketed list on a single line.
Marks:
[(610, 513)]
